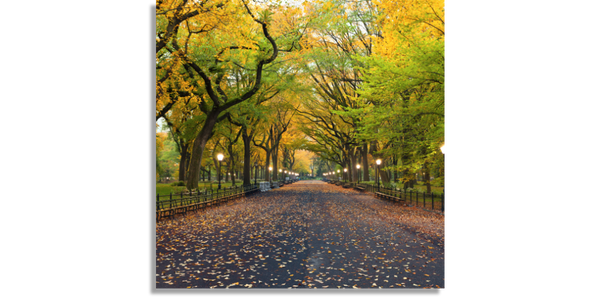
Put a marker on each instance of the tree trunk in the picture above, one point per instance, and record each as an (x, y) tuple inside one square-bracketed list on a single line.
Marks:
[(182, 168), (255, 172), (274, 156), (216, 163), (246, 139), (354, 175), (198, 149), (267, 172), (365, 162), (226, 179), (427, 178), (231, 164), (232, 172), (395, 171), (385, 177), (406, 181), (182, 163)]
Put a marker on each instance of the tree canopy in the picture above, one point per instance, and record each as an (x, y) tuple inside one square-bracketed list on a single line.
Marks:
[(308, 86)]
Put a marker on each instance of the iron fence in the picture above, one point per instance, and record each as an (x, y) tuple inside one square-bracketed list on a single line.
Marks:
[(169, 205), (431, 201)]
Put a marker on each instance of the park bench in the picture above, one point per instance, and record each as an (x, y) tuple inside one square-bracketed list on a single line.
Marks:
[(360, 187), (186, 192), (346, 185), (388, 196)]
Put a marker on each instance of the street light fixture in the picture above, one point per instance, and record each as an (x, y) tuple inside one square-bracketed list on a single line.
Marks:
[(378, 162), (220, 158), (358, 168), (345, 174), (270, 169)]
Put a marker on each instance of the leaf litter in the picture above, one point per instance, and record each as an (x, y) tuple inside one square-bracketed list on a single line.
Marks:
[(309, 234)]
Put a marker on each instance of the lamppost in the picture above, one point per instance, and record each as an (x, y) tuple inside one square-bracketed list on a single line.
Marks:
[(345, 174), (279, 173), (339, 177), (378, 162), (220, 158), (358, 168), (270, 169), (444, 148)]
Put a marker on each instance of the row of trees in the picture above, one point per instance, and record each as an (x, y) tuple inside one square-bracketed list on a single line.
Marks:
[(221, 68), (348, 80), (271, 141), (377, 69), (169, 169)]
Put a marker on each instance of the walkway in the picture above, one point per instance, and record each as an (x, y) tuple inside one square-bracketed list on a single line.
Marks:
[(305, 235)]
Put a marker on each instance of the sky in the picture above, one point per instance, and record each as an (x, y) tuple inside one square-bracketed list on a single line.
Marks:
[(161, 122)]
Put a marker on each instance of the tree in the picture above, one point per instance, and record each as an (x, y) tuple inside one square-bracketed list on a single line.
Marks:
[(351, 81), (404, 79), (160, 145), (218, 101), (342, 32)]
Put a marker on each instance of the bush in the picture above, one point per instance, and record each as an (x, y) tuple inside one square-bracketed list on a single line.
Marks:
[(388, 185), (178, 184)]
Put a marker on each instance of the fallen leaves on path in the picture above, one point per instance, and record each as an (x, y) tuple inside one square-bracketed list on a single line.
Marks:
[(303, 235)]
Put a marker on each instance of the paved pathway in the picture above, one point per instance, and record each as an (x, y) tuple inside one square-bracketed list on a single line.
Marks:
[(304, 235)]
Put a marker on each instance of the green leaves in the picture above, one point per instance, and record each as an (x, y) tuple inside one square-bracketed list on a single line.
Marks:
[(266, 16)]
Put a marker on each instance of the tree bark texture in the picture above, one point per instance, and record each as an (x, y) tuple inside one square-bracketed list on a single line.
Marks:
[(246, 138), (198, 149), (365, 162)]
